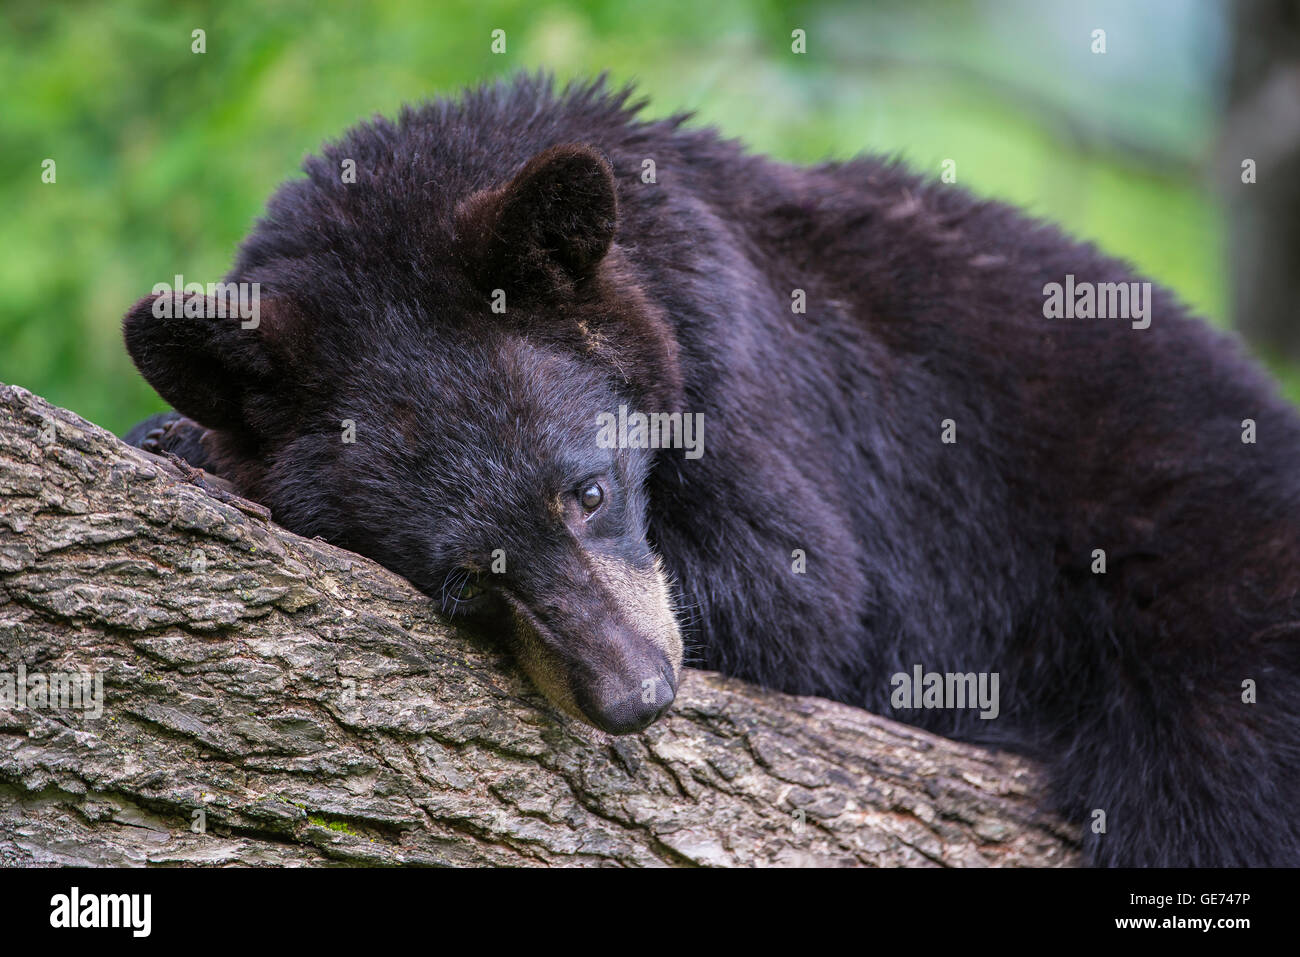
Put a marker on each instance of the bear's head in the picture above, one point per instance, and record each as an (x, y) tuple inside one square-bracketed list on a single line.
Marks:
[(423, 383)]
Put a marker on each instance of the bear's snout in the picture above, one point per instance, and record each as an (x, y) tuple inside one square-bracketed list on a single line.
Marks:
[(634, 700)]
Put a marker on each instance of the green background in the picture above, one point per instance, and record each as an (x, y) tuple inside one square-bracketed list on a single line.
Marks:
[(165, 157)]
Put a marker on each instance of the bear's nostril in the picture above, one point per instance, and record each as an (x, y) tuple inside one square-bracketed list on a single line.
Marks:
[(632, 712)]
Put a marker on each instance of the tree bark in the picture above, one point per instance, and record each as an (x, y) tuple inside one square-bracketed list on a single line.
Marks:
[(269, 699), (1262, 123)]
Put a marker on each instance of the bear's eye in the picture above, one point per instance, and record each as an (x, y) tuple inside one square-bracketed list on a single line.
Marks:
[(462, 587), (590, 497)]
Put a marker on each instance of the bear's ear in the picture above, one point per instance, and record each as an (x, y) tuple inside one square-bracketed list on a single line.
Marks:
[(200, 359), (548, 227)]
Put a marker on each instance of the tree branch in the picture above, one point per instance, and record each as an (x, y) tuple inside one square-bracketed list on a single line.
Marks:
[(314, 708)]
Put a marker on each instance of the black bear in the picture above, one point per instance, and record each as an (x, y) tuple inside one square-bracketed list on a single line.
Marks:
[(608, 384)]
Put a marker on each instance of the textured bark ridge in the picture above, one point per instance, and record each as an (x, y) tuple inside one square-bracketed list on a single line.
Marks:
[(268, 699)]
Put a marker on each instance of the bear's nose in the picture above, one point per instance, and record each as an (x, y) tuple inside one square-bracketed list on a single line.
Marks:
[(628, 713)]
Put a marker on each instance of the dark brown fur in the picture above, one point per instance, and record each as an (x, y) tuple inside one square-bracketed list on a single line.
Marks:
[(924, 304)]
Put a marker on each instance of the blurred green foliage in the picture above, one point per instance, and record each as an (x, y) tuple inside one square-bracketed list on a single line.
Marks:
[(165, 157)]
